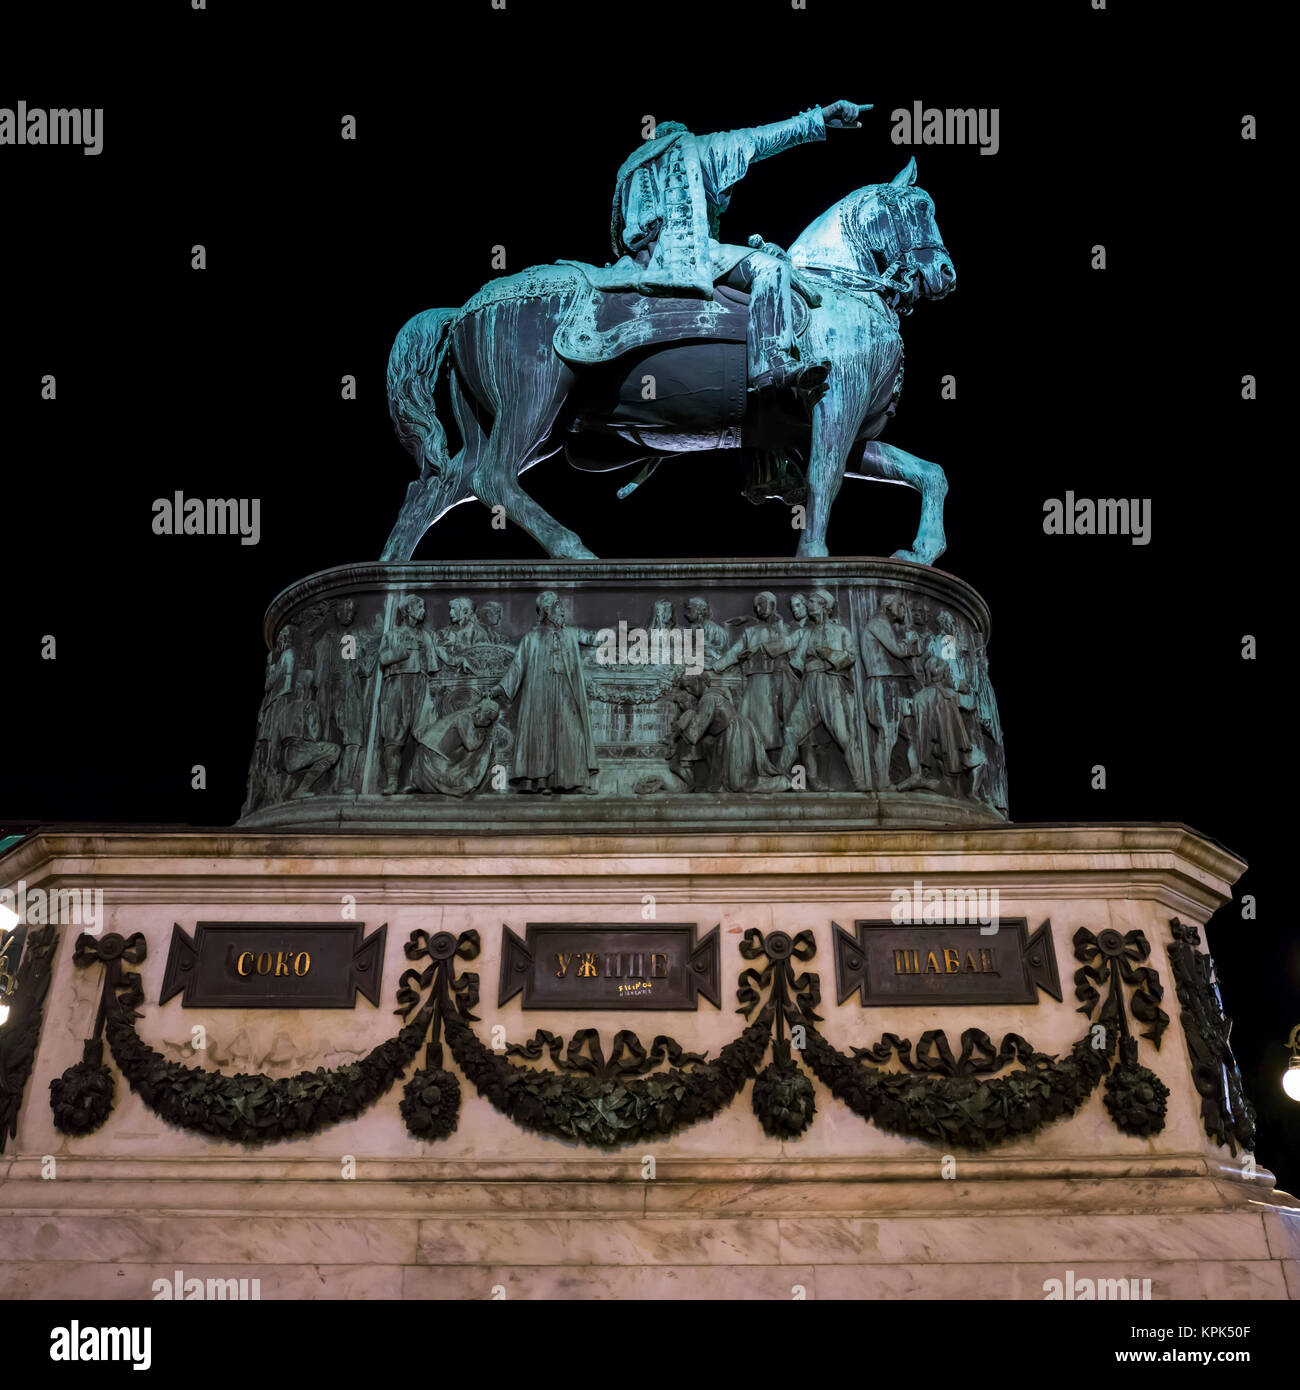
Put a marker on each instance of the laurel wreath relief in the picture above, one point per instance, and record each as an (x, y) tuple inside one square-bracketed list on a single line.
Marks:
[(970, 1099)]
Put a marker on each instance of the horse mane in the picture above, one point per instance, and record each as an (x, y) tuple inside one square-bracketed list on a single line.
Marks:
[(838, 229), (852, 223), (849, 236)]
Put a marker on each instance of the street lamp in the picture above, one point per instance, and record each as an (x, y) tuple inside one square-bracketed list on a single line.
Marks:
[(9, 920), (1291, 1076), (6, 976)]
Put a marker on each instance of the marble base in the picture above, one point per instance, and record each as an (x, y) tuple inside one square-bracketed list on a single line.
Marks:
[(1192, 1235), (846, 1211)]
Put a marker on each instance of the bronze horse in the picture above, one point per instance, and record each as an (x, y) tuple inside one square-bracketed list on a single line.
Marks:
[(516, 401)]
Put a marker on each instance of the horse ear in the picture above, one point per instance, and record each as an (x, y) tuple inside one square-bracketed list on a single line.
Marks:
[(906, 176)]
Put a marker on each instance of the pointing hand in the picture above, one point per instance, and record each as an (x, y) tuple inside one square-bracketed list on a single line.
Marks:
[(843, 115)]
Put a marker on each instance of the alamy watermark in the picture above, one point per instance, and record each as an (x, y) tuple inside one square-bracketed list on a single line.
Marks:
[(179, 1288), (933, 125), (39, 907), (1102, 516), (656, 646), (1072, 1289), (36, 125), (946, 906), (179, 515), (77, 1343)]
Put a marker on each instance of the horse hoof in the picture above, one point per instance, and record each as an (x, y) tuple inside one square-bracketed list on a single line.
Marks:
[(812, 552), (909, 555)]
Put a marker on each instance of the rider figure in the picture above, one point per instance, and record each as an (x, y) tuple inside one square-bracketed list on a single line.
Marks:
[(668, 200)]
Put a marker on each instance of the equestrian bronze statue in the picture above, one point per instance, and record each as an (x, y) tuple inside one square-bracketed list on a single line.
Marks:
[(684, 344)]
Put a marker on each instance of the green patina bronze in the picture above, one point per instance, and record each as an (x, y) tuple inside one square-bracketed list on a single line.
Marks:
[(684, 343)]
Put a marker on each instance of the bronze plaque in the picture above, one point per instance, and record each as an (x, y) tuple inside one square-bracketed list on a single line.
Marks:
[(888, 963), (609, 965), (274, 965)]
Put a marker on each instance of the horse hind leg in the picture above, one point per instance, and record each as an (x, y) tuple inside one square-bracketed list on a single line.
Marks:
[(890, 464), (510, 448), (525, 406), (419, 511)]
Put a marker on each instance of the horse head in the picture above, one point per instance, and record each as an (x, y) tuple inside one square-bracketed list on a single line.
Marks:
[(885, 231)]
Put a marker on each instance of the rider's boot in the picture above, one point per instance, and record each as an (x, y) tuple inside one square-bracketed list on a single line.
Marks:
[(774, 361), (784, 369)]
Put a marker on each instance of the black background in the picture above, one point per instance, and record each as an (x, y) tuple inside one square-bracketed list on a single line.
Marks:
[(477, 128)]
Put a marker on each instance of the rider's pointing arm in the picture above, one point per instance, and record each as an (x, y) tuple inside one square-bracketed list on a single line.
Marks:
[(726, 156)]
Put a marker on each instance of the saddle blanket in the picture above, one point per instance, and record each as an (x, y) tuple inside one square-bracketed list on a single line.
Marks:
[(601, 325)]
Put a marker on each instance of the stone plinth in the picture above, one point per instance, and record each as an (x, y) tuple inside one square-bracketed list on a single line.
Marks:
[(877, 671), (848, 1209)]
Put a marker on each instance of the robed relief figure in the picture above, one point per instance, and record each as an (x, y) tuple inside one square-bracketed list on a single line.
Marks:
[(733, 747), (554, 747), (408, 657), (264, 779), (454, 751), (944, 742), (343, 659), (825, 658), (889, 649), (770, 685), (308, 756)]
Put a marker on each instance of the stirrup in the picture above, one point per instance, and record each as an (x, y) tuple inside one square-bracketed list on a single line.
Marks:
[(787, 371), (812, 377)]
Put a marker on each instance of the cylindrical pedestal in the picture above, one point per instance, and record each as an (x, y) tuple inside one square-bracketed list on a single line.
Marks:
[(743, 694)]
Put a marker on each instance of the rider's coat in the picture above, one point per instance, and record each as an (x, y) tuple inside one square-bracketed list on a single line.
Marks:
[(669, 197)]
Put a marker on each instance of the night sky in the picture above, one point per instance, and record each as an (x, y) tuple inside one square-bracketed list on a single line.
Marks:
[(480, 128)]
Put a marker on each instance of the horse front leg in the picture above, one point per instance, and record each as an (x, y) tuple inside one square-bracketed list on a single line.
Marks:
[(834, 423), (897, 465)]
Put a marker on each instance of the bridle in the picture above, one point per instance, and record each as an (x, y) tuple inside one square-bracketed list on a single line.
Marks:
[(895, 223)]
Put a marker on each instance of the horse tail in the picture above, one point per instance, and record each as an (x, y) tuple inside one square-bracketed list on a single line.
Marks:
[(414, 365)]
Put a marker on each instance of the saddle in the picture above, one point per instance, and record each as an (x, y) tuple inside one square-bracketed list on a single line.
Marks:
[(602, 325)]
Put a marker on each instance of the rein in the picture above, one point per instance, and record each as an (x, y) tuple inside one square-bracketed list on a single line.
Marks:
[(897, 294)]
